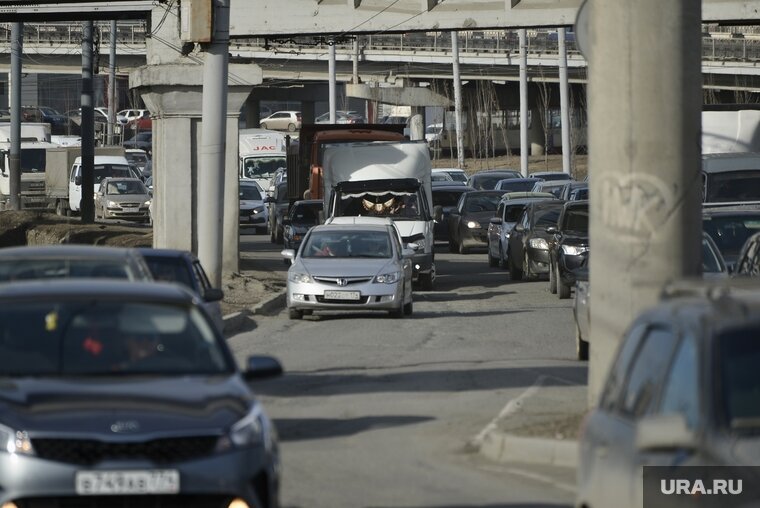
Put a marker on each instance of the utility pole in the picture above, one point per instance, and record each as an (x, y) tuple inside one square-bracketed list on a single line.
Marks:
[(645, 173), (87, 206), (211, 172), (356, 61), (112, 86), (331, 76), (524, 148), (457, 100), (14, 157), (564, 103)]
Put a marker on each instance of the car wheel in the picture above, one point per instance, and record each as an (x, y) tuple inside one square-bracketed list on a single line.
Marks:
[(409, 308), (61, 208), (552, 280), (514, 273), (563, 290), (291, 127), (295, 314), (263, 126), (581, 346)]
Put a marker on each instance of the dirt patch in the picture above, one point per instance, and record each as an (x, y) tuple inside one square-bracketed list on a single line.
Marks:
[(244, 290), (564, 427), (550, 162)]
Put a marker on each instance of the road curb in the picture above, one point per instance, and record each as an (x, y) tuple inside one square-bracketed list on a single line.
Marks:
[(270, 306), (234, 321), (501, 447)]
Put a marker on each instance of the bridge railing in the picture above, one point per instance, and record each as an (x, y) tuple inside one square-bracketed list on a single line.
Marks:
[(715, 47)]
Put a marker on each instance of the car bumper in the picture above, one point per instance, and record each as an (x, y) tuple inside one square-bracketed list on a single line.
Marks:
[(33, 482), (421, 264), (539, 260), (474, 238), (248, 217), (567, 264), (127, 214), (372, 296)]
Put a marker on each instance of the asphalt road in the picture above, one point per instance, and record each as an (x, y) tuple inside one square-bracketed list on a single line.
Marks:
[(377, 412)]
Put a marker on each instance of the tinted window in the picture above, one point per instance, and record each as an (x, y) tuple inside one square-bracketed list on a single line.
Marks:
[(169, 269), (733, 186), (614, 384), (521, 186), (86, 337), (738, 360), (545, 217), (111, 171), (32, 160), (576, 220), (730, 233), (647, 372), (482, 202), (710, 263), (305, 214), (249, 192), (282, 193), (512, 213), (681, 393)]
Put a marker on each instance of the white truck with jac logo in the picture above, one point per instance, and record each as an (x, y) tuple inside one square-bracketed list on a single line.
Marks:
[(262, 152)]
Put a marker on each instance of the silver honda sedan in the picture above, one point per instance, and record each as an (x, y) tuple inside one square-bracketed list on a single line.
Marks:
[(358, 264)]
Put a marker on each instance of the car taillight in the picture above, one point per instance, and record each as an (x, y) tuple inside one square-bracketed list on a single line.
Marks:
[(298, 117)]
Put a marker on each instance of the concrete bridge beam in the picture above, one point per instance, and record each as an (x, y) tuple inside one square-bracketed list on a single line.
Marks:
[(407, 95)]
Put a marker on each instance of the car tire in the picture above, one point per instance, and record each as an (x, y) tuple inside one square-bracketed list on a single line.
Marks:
[(61, 209), (514, 273), (291, 127), (295, 313), (409, 308), (552, 280), (427, 280), (397, 313), (563, 290), (581, 346), (263, 126), (493, 262)]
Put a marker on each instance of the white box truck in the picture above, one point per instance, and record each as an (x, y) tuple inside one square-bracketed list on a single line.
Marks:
[(35, 140), (262, 152), (385, 179)]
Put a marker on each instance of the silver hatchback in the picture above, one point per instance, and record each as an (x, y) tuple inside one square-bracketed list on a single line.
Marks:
[(123, 198), (358, 264)]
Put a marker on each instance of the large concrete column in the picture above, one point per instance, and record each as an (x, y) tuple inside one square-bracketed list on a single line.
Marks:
[(524, 147), (173, 94), (564, 101), (645, 172)]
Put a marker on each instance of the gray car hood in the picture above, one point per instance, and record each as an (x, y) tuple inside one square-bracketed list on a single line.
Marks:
[(90, 406), (343, 267)]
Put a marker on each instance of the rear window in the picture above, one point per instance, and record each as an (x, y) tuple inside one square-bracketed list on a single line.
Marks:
[(30, 268), (446, 198), (545, 217), (170, 270), (730, 233), (738, 358), (733, 186)]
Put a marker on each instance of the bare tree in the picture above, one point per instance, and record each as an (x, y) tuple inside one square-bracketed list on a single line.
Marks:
[(544, 107)]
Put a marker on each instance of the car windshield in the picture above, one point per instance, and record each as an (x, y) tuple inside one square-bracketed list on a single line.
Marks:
[(576, 220), (397, 205), (90, 337), (170, 269), (446, 198), (305, 214), (111, 171), (262, 167), (512, 213), (545, 217), (519, 186), (458, 176), (126, 187), (488, 182), (57, 268), (733, 186), (250, 193), (729, 233), (33, 160), (348, 244), (138, 158), (481, 203), (738, 358)]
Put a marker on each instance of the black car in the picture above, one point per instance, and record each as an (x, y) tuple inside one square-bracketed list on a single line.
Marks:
[(468, 222), (142, 140), (445, 199), (569, 249), (748, 262), (278, 204), (125, 394), (528, 254), (487, 180), (574, 191), (302, 217), (730, 228)]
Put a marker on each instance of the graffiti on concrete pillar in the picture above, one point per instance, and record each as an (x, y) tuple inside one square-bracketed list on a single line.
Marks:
[(635, 205)]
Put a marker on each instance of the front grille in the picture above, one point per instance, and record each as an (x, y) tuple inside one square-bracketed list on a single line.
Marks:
[(91, 451), (361, 301), (349, 280), (129, 205), (169, 501), (246, 213)]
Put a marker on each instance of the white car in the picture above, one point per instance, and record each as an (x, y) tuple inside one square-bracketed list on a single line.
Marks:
[(456, 174), (127, 115), (352, 264), (253, 211), (282, 121)]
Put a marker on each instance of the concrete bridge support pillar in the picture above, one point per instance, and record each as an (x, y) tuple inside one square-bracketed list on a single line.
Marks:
[(173, 94)]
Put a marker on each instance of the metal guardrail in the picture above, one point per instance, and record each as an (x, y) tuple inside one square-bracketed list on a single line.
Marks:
[(719, 48)]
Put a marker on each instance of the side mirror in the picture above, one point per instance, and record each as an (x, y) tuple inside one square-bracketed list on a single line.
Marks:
[(288, 254), (438, 213), (262, 367), (552, 230), (664, 432), (213, 295), (78, 180), (496, 221), (519, 228)]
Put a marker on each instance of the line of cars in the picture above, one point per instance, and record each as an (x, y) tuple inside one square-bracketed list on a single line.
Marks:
[(156, 410)]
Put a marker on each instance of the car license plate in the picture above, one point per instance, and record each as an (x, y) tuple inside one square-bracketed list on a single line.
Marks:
[(342, 295), (90, 483)]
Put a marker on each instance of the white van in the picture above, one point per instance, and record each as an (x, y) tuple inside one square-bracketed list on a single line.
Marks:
[(111, 166)]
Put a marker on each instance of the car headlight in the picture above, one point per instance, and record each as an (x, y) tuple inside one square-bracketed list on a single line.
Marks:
[(258, 209), (388, 278), (538, 243), (112, 204), (301, 278), (253, 429), (573, 250), (147, 203), (15, 441), (473, 224)]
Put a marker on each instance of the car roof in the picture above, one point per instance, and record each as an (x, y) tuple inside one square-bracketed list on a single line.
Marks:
[(539, 174), (66, 250), (308, 202), (364, 221), (525, 201), (95, 289), (493, 172), (447, 170), (485, 191), (508, 196), (708, 212), (580, 203), (452, 186), (165, 253)]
